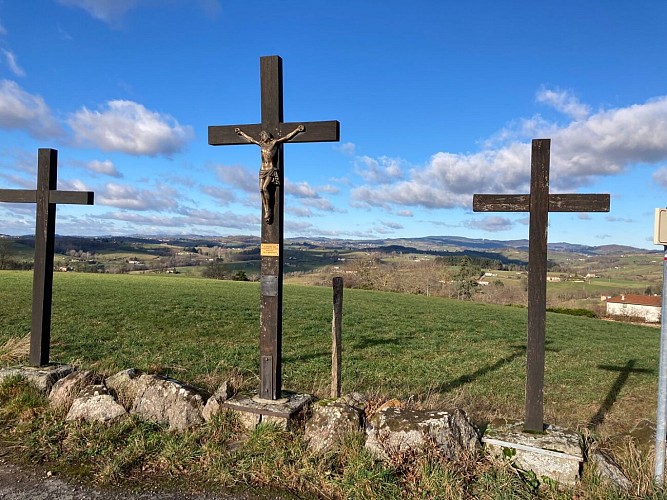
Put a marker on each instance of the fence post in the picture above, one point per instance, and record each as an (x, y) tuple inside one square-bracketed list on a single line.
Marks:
[(336, 336)]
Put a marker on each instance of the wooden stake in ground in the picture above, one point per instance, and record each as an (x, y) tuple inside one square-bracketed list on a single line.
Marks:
[(46, 196), (336, 337), (270, 135), (539, 203)]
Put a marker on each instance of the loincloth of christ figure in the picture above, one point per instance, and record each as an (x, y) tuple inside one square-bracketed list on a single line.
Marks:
[(269, 177)]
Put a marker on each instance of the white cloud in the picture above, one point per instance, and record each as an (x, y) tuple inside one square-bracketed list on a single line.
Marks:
[(564, 102), (74, 185), (299, 211), (239, 177), (381, 170), (230, 220), (405, 213), (3, 30), (13, 63), (320, 204), (391, 225), (128, 197), (492, 223), (347, 148), (605, 143), (224, 196), (105, 167), (328, 188), (129, 127), (301, 190), (20, 110)]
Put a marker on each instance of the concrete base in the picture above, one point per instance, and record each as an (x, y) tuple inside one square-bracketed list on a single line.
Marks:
[(253, 410), (43, 376), (556, 453)]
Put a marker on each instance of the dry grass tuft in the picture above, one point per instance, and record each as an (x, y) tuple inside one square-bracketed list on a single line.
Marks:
[(15, 349)]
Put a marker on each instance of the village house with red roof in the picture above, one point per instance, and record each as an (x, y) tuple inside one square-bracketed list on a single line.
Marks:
[(647, 307)]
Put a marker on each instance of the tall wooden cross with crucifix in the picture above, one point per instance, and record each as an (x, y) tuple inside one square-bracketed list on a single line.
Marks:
[(539, 203), (270, 135), (46, 196)]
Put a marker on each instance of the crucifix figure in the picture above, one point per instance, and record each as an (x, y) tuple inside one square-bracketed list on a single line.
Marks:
[(539, 203), (269, 176), (272, 133), (46, 196)]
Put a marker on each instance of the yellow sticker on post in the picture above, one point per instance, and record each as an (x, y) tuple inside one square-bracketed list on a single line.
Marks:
[(270, 250)]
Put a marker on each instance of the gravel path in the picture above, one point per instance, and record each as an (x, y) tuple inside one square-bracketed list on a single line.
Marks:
[(19, 483)]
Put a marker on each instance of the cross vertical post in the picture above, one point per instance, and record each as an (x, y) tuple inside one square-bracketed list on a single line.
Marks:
[(42, 281), (274, 132), (538, 203), (537, 283), (46, 196)]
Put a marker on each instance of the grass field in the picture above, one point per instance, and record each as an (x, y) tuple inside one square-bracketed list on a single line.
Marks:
[(598, 374)]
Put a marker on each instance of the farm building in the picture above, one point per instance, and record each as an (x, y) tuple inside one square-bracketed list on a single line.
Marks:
[(642, 306)]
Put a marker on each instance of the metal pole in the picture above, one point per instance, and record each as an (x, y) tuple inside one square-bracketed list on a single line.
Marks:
[(661, 414)]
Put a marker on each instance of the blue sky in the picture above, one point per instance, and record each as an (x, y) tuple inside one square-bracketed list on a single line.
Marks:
[(437, 100)]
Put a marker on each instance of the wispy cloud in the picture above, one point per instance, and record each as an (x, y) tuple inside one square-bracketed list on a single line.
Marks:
[(13, 63), (238, 177), (190, 219), (381, 170), (109, 11), (391, 225), (564, 102), (347, 148), (105, 167), (128, 197), (492, 223), (21, 110), (129, 127), (113, 11), (222, 195)]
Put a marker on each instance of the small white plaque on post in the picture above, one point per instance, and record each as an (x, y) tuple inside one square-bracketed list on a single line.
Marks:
[(660, 227)]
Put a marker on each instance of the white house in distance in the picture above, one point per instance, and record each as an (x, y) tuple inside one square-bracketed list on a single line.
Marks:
[(643, 306)]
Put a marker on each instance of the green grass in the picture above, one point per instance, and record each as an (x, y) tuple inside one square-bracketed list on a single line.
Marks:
[(393, 344), (437, 352)]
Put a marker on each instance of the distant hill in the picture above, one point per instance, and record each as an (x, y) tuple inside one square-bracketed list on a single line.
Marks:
[(427, 244)]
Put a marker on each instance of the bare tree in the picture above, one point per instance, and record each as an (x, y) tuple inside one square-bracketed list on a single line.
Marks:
[(7, 252)]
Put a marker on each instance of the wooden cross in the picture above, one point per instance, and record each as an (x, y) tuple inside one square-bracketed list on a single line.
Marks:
[(272, 219), (539, 203), (46, 196)]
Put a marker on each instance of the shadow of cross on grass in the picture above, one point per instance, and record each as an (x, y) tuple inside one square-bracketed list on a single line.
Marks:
[(612, 395), (519, 350)]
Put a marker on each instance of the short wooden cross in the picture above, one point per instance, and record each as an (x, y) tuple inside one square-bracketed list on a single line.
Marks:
[(46, 196), (539, 203), (271, 182)]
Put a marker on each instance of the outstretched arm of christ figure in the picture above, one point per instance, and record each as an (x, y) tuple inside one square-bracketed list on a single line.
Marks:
[(246, 136), (294, 132)]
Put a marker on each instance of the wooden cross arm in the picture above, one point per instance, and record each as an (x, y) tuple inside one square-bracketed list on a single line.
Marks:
[(557, 203), (72, 197), (58, 197), (326, 131)]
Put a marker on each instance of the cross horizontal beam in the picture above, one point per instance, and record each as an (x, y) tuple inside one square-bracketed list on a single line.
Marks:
[(321, 131), (58, 197), (557, 203)]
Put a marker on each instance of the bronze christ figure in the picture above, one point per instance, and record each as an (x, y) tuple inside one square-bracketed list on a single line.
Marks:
[(269, 177)]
